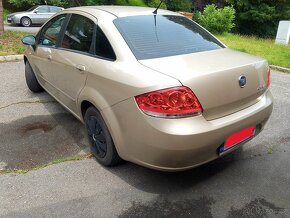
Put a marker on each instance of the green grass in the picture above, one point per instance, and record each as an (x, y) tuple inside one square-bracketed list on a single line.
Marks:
[(10, 43), (24, 171), (266, 48)]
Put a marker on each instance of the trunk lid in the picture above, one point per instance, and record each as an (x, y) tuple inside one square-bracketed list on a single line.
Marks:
[(214, 78)]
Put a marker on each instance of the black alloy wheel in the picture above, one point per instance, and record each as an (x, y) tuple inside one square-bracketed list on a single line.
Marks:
[(96, 137), (100, 139)]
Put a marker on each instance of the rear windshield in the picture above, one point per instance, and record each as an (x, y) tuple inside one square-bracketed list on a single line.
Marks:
[(152, 36)]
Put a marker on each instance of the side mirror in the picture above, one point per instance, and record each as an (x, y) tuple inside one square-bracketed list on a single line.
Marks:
[(35, 11), (29, 40)]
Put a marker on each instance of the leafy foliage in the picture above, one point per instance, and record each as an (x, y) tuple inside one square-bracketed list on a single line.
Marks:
[(179, 5), (155, 3), (260, 17), (29, 3), (94, 2), (215, 19), (129, 2)]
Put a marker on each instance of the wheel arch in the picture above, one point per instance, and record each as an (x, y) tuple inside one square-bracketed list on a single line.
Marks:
[(90, 97), (85, 105)]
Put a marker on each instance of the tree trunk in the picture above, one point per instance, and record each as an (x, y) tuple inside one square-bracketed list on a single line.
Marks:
[(1, 19)]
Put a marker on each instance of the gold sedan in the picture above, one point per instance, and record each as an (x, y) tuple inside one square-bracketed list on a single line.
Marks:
[(155, 89)]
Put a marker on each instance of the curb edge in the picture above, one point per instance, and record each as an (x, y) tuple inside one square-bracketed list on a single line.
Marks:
[(10, 58), (282, 69)]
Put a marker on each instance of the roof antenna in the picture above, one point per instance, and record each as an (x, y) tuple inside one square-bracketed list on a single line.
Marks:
[(156, 10)]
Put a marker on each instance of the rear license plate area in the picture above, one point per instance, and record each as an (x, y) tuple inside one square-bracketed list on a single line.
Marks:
[(236, 138)]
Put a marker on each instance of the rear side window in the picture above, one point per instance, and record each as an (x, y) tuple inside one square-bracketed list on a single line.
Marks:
[(79, 34), (103, 46), (55, 9), (43, 9), (156, 36)]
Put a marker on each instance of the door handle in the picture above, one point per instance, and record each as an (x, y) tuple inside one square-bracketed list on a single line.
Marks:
[(49, 57), (81, 68)]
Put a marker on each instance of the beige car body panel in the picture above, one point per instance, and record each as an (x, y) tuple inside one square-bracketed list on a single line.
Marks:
[(177, 144), (210, 74), (164, 144)]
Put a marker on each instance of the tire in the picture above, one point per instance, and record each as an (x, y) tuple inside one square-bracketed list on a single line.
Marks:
[(31, 80), (100, 139), (25, 21)]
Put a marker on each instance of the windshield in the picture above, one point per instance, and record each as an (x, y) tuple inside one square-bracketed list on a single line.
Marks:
[(31, 9), (152, 36)]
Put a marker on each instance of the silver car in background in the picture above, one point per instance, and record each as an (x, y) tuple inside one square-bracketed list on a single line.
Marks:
[(35, 15)]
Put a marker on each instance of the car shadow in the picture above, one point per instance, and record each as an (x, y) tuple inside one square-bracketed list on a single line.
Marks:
[(158, 182)]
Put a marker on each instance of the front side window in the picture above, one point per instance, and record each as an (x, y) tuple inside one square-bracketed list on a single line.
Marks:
[(79, 34), (152, 36), (51, 31)]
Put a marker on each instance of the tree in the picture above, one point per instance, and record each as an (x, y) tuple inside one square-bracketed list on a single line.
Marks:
[(260, 17), (1, 19)]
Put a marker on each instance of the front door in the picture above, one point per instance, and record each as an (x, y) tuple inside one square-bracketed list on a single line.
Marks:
[(72, 61), (46, 45)]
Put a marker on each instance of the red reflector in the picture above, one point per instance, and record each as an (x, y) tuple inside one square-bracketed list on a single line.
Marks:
[(268, 78), (239, 137)]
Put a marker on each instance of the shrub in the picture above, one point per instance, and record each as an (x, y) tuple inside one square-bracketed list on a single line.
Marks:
[(216, 20)]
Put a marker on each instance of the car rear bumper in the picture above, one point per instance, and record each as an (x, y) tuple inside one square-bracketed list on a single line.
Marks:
[(178, 144)]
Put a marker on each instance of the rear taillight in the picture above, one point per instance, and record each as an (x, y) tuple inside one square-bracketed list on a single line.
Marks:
[(268, 78), (174, 102)]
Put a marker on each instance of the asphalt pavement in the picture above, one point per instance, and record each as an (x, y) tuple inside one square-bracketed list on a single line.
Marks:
[(253, 181)]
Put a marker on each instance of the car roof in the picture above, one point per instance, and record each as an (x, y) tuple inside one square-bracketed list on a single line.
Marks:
[(122, 11), (48, 6)]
